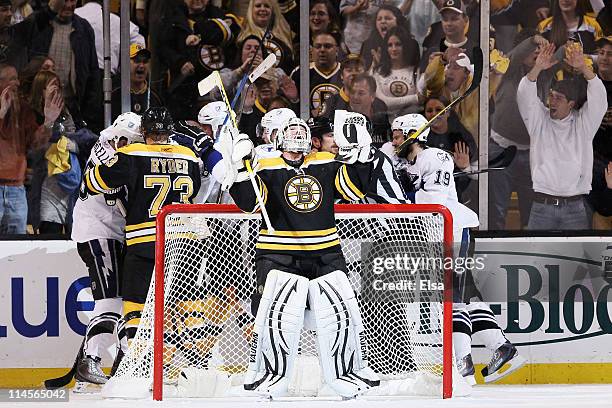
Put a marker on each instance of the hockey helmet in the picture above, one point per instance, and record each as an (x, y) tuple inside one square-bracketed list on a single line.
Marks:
[(351, 129), (127, 125), (271, 121), (214, 114), (320, 125), (410, 125), (157, 120), (293, 136)]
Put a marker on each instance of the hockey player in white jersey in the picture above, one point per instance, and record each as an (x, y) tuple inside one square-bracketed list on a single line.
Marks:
[(428, 172), (270, 124), (98, 230)]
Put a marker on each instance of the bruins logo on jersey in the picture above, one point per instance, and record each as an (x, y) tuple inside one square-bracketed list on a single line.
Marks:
[(275, 49), (212, 57), (398, 88), (303, 193), (320, 94)]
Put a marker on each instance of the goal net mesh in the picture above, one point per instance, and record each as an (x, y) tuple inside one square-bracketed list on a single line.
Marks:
[(209, 278)]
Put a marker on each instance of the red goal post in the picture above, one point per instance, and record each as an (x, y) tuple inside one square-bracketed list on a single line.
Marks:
[(341, 209)]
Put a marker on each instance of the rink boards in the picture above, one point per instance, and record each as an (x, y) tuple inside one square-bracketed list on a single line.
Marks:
[(550, 296)]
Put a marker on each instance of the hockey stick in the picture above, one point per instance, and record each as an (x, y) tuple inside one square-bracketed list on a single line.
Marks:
[(501, 162), (477, 58), (64, 380)]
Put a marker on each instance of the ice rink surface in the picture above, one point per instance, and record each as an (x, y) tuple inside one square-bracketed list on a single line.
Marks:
[(486, 396)]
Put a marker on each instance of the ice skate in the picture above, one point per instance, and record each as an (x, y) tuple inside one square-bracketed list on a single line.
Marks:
[(465, 366), (505, 360)]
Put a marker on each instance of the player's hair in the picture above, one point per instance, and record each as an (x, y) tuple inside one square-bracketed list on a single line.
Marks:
[(410, 50), (364, 77), (280, 29), (39, 84)]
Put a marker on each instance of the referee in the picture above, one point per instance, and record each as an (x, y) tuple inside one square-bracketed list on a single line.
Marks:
[(385, 187)]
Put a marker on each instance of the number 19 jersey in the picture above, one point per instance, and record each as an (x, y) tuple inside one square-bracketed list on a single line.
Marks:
[(155, 176)]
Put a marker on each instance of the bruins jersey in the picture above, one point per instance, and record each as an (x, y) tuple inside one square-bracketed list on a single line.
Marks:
[(322, 86), (155, 175), (300, 201)]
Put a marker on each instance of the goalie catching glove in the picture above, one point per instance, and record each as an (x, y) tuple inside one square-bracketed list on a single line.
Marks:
[(352, 137), (234, 147)]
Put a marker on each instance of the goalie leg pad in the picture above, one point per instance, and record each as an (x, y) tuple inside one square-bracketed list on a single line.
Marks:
[(341, 339), (276, 336)]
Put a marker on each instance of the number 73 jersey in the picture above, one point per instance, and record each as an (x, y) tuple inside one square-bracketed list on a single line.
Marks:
[(432, 172), (155, 176)]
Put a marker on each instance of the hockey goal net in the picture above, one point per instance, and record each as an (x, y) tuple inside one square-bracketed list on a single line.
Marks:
[(197, 313)]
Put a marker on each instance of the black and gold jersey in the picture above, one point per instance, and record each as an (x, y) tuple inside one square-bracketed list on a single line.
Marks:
[(155, 175), (300, 201), (322, 86)]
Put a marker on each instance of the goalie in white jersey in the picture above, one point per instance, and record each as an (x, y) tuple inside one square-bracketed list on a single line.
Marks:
[(98, 230), (428, 175)]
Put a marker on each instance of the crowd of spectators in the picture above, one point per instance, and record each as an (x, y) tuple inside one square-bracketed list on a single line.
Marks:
[(550, 78)]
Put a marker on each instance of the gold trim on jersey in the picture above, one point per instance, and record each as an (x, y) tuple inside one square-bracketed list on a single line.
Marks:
[(162, 150), (345, 186), (224, 30), (263, 191), (139, 233), (142, 225), (343, 95), (92, 182), (298, 240), (328, 75), (260, 107)]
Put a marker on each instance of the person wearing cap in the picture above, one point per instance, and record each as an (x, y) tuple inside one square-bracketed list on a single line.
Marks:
[(561, 152), (453, 31), (142, 96), (92, 12), (69, 40), (322, 134), (451, 75), (600, 196), (324, 71)]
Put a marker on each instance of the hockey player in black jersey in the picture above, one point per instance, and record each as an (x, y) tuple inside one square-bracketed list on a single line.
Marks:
[(155, 174), (298, 257)]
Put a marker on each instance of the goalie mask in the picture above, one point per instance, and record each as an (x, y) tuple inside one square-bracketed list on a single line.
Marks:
[(214, 114), (273, 121), (294, 136), (127, 125), (351, 129)]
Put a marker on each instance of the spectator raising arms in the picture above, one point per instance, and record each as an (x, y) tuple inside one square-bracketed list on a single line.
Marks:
[(259, 15), (396, 76), (19, 133), (569, 21), (561, 142)]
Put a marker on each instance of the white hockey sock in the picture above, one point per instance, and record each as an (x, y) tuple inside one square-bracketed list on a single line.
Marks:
[(101, 334), (462, 331), (484, 325)]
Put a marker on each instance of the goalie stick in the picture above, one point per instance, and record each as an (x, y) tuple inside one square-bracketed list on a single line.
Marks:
[(63, 381), (477, 60), (501, 162)]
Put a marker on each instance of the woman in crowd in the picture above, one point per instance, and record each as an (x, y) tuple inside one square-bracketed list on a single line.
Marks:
[(324, 18), (385, 19), (569, 20), (259, 15), (51, 204), (396, 75)]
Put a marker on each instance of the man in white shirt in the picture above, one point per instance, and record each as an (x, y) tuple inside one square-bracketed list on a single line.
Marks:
[(561, 157), (92, 12)]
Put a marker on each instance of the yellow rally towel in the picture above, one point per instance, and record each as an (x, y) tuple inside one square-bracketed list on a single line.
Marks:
[(58, 157)]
